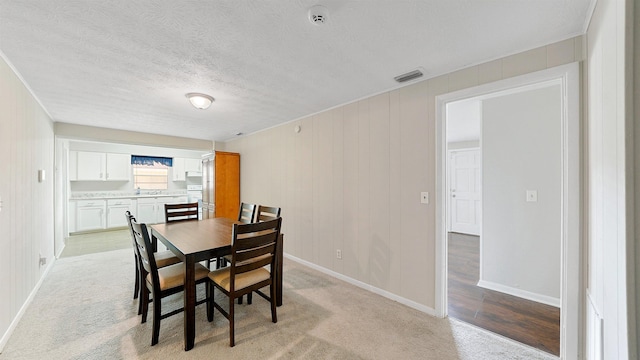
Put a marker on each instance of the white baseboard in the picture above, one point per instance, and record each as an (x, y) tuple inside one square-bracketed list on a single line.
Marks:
[(25, 306), (544, 299), (365, 286)]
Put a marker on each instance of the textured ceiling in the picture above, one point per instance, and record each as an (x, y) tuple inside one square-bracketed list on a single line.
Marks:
[(127, 65)]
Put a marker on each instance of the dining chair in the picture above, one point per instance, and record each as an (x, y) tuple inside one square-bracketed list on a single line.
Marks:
[(246, 213), (161, 282), (253, 266), (265, 213), (163, 258), (180, 212)]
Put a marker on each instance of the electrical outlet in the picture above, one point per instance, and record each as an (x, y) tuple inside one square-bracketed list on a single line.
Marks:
[(424, 197), (339, 254), (532, 196)]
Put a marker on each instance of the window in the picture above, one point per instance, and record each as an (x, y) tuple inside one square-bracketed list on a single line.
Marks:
[(150, 173)]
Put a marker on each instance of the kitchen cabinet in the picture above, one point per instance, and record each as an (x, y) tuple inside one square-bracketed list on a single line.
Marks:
[(221, 185), (150, 210), (194, 165), (116, 208), (90, 215), (97, 166), (118, 167), (178, 169)]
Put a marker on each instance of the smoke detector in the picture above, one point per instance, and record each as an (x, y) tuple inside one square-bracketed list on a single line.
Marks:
[(318, 15)]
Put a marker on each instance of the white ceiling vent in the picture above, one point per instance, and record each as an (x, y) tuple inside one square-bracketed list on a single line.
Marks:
[(411, 75), (318, 15)]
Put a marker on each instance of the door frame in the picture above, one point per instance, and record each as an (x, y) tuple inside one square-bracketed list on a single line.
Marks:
[(572, 288)]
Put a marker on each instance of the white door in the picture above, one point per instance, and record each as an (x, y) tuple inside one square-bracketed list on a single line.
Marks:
[(464, 191)]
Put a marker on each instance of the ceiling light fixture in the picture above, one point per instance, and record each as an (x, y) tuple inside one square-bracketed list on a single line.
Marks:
[(200, 101)]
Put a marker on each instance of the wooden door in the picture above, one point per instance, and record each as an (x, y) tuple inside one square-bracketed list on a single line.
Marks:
[(227, 184), (465, 190)]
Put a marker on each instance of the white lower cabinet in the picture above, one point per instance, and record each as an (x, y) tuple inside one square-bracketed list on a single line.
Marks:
[(116, 209), (99, 214), (151, 210), (90, 215)]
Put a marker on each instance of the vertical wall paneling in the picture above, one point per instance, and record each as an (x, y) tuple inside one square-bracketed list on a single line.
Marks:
[(350, 252), (606, 232), (379, 191), (26, 146), (395, 202), (305, 202), (322, 187), (364, 183), (337, 205), (417, 238)]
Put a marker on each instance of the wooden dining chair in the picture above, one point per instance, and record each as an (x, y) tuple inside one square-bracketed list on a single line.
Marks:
[(163, 258), (253, 266), (161, 282), (265, 213), (246, 213), (180, 212)]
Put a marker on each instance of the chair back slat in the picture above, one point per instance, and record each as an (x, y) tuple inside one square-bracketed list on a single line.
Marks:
[(266, 213), (255, 252), (180, 212), (254, 246), (256, 239), (247, 213), (252, 265)]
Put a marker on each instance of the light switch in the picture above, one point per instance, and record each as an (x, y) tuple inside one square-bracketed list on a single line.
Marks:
[(424, 197), (532, 196)]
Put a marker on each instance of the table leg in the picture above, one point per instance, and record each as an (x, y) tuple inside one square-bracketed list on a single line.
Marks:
[(189, 303), (279, 258)]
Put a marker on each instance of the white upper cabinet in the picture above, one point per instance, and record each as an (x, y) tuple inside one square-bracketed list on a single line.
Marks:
[(90, 165), (193, 165), (97, 166), (178, 169), (118, 167)]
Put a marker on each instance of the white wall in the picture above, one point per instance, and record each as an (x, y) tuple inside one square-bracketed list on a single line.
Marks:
[(351, 179), (607, 202), (521, 150), (27, 214)]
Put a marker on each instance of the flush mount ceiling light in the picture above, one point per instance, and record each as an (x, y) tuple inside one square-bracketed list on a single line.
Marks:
[(200, 101)]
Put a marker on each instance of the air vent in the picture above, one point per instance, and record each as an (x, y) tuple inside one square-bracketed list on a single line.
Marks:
[(408, 76)]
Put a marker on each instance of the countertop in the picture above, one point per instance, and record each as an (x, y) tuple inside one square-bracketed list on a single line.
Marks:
[(124, 195)]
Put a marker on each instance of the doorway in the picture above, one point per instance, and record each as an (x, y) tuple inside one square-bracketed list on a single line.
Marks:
[(528, 243)]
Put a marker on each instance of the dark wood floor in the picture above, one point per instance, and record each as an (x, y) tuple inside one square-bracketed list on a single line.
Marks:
[(528, 322)]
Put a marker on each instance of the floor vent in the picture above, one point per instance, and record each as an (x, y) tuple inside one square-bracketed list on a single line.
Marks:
[(408, 76)]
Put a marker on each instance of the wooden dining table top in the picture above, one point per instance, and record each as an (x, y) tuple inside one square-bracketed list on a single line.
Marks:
[(192, 237)]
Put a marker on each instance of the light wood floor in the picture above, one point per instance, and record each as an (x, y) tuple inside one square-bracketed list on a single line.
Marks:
[(95, 242), (528, 322)]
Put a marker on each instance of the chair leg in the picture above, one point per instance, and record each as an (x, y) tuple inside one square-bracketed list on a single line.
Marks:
[(136, 290), (240, 300), (249, 298), (156, 318), (145, 304), (232, 341), (210, 290), (272, 300)]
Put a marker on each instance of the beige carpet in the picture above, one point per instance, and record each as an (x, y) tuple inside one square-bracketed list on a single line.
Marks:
[(85, 310)]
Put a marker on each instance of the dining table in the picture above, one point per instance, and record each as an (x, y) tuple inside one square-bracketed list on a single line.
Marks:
[(200, 240)]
